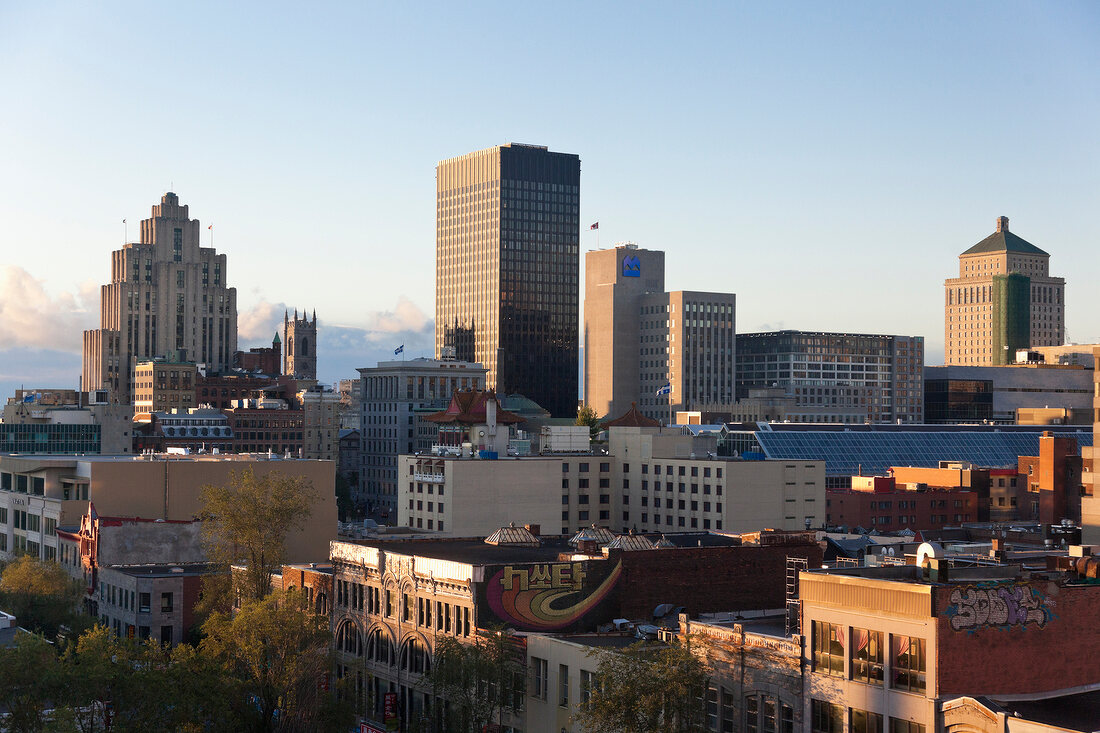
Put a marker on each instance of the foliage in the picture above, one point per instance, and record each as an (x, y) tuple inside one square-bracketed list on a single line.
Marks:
[(278, 656), (646, 689), (479, 681), (41, 595), (29, 681), (247, 522), (587, 416)]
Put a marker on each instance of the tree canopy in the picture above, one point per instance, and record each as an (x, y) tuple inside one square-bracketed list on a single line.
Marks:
[(247, 522), (646, 689), (41, 595), (587, 416)]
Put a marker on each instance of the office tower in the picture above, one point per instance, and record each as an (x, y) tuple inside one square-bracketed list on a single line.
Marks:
[(391, 395), (300, 337), (167, 297), (1004, 299), (837, 377), (507, 263), (638, 338), (615, 281)]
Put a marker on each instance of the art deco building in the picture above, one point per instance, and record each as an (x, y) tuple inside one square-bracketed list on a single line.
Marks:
[(1004, 299), (507, 263), (167, 297)]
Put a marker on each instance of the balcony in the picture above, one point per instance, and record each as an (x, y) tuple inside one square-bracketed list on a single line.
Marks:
[(435, 478)]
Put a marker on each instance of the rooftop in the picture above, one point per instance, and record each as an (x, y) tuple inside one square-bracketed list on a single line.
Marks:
[(1003, 240), (165, 570)]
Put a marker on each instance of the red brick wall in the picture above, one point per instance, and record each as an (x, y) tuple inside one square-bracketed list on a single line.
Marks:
[(708, 579), (1057, 647)]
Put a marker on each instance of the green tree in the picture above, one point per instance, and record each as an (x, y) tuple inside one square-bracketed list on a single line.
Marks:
[(276, 656), (479, 682), (41, 595), (247, 523), (30, 680), (587, 416), (646, 689)]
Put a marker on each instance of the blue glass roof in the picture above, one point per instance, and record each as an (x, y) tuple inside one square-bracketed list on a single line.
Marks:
[(848, 452)]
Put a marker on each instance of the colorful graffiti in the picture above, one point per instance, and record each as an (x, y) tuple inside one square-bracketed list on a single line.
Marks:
[(998, 606), (547, 596)]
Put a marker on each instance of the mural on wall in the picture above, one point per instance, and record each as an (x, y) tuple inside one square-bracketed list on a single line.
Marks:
[(548, 596), (998, 606)]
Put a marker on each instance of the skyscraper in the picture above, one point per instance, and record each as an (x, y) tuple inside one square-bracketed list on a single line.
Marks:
[(1003, 299), (639, 338), (167, 296), (507, 263)]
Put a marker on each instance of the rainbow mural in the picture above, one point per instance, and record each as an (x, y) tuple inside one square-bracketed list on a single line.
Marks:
[(547, 596)]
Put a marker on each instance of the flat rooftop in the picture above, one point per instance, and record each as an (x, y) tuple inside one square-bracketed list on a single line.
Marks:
[(1080, 712), (474, 551), (165, 570)]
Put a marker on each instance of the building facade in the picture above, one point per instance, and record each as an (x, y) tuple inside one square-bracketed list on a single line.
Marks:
[(35, 427), (507, 266), (160, 385), (393, 393), (955, 394), (649, 481), (167, 295), (837, 377), (1004, 299)]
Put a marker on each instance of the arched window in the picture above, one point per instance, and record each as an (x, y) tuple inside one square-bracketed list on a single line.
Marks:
[(415, 657), (349, 640), (380, 648), (305, 346)]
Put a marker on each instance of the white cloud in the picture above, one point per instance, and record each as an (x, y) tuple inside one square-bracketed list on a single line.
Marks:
[(31, 318), (404, 317), (259, 323)]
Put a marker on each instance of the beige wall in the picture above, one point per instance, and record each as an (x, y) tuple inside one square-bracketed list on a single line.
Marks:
[(549, 715)]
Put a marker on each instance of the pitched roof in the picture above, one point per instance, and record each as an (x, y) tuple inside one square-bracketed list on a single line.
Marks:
[(1004, 241), (468, 408), (632, 419)]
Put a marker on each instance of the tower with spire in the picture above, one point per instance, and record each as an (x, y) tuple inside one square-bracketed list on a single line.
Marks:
[(300, 345)]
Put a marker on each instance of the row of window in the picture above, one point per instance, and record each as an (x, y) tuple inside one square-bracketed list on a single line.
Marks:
[(865, 660), (826, 717), (384, 602)]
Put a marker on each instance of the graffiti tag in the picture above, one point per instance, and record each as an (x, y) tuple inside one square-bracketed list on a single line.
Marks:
[(998, 606)]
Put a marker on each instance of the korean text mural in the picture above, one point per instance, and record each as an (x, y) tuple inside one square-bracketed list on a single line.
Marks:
[(547, 596)]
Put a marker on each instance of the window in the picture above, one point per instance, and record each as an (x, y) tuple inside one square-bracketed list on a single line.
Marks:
[(908, 658), (541, 669), (867, 656), (563, 685), (828, 641), (166, 603), (143, 607), (862, 721), (905, 726), (825, 717), (588, 683)]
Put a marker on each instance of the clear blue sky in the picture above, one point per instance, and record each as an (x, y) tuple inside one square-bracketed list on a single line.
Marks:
[(825, 161)]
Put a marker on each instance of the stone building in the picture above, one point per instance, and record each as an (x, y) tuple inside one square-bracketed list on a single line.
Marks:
[(167, 295), (161, 385), (1004, 299), (300, 341)]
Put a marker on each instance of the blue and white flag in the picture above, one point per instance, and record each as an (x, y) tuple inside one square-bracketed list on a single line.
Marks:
[(667, 389), (399, 349), (30, 398)]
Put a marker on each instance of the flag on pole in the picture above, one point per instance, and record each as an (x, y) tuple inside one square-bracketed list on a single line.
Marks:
[(123, 221), (399, 349), (667, 389), (594, 226), (210, 227)]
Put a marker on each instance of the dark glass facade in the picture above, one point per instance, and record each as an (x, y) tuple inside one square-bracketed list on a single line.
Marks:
[(958, 400), (507, 266)]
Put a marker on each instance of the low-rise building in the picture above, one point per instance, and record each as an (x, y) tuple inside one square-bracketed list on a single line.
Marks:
[(38, 494), (65, 423), (266, 424), (159, 385), (150, 601), (885, 504), (320, 424), (958, 394)]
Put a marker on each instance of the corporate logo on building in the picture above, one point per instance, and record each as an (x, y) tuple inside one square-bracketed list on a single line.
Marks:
[(632, 267)]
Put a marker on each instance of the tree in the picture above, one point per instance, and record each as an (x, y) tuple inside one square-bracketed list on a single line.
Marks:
[(478, 682), (587, 416), (29, 682), (247, 523), (646, 689), (41, 595), (276, 656)]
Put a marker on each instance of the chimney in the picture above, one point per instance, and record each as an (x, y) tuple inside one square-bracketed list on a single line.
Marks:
[(1002, 223)]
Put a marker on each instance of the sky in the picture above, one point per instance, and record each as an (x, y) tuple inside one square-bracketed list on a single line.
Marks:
[(826, 162)]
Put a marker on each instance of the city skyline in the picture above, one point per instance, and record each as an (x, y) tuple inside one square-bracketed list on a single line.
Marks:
[(316, 165)]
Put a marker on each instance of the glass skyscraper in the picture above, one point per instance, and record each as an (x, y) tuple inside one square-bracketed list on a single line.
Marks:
[(506, 270)]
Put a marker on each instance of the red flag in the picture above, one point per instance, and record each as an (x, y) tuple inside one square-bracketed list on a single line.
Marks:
[(594, 226)]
